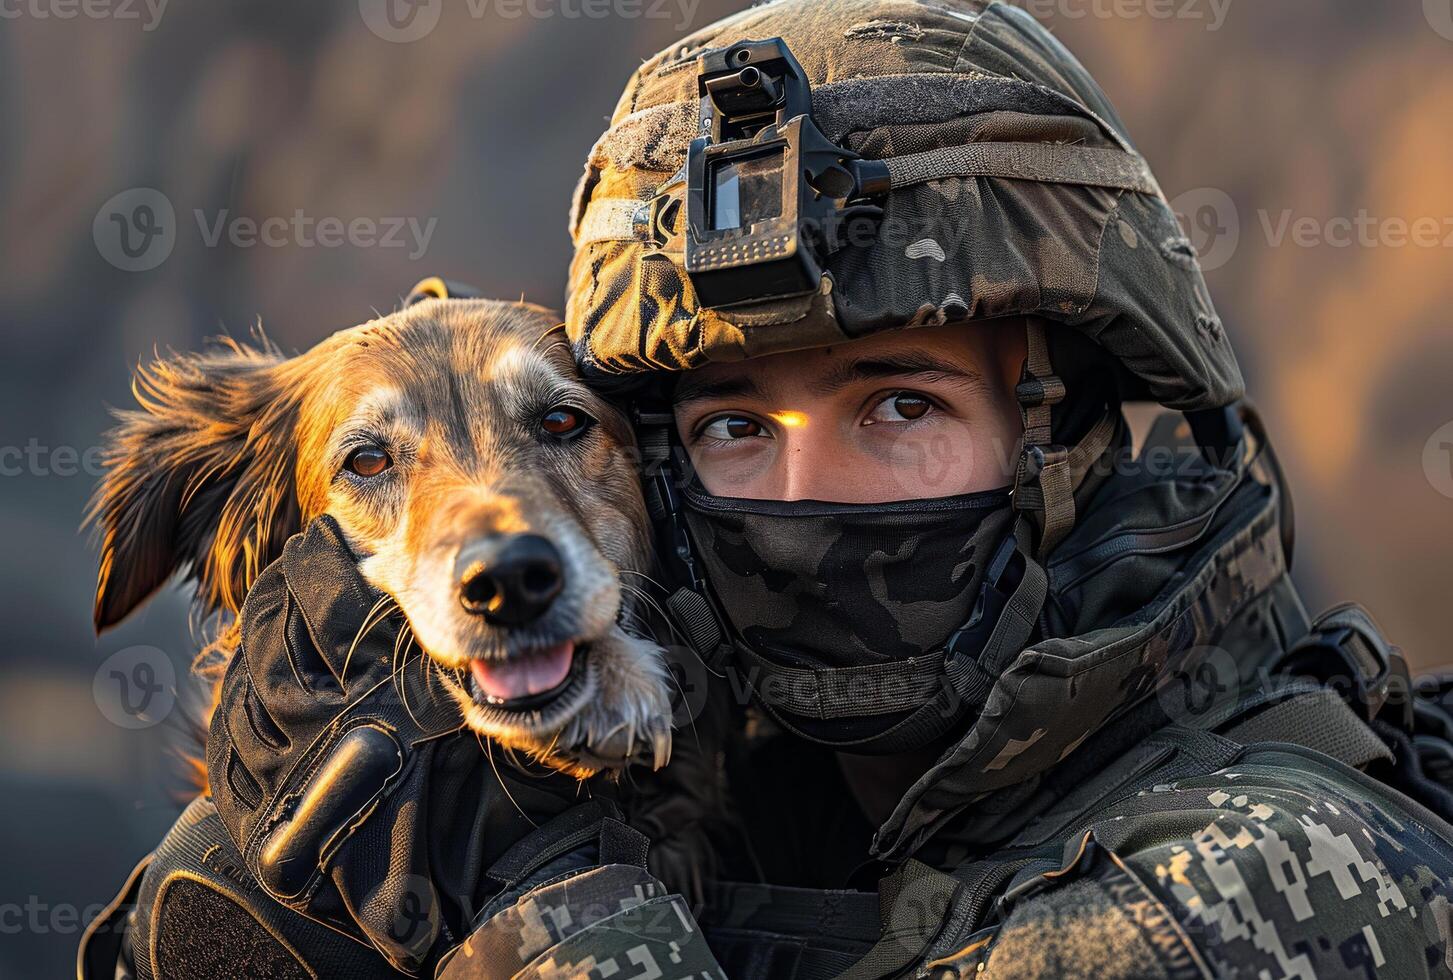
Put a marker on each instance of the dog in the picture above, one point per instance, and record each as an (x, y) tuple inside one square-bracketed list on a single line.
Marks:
[(483, 486)]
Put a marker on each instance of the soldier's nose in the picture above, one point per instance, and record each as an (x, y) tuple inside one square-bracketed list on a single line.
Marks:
[(510, 580)]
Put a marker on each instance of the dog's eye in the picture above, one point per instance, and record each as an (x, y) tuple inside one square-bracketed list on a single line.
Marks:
[(368, 461), (564, 423)]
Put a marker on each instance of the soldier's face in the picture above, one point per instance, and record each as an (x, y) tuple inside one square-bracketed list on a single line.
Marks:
[(912, 414)]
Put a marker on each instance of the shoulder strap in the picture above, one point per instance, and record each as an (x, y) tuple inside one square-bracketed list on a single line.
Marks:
[(913, 904), (1318, 720), (1347, 650)]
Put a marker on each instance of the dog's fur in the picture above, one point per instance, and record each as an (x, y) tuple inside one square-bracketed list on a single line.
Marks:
[(231, 452)]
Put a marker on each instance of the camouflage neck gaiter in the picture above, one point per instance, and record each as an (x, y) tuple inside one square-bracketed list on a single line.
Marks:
[(815, 585)]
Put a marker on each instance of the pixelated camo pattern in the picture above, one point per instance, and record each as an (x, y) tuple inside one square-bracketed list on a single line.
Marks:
[(657, 940), (1299, 872), (1283, 867)]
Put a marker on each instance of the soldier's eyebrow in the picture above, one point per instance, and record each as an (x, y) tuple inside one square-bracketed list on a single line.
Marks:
[(690, 390), (909, 364)]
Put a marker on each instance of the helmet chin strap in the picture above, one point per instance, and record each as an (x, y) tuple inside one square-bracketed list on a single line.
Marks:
[(1043, 485), (1049, 473)]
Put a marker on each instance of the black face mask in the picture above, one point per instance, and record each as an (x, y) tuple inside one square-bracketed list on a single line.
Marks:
[(863, 597)]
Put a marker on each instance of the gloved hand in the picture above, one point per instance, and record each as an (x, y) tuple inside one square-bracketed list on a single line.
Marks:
[(341, 770), (576, 900)]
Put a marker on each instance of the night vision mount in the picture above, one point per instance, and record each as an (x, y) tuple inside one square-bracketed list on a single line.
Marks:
[(768, 196)]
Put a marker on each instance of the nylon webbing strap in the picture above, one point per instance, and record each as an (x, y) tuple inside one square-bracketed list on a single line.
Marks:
[(913, 903), (1047, 163), (613, 219), (1321, 721), (1081, 458), (1019, 618), (627, 219), (1038, 393)]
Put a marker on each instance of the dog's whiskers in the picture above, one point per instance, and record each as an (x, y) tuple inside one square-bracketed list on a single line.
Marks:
[(652, 581), (385, 605), (651, 603), (489, 752)]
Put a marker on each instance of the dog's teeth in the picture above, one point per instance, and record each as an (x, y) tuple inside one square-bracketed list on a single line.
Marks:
[(661, 742)]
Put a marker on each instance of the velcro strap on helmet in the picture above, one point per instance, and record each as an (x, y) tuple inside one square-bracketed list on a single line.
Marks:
[(1046, 163), (628, 219)]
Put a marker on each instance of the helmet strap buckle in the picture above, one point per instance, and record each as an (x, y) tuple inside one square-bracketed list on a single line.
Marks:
[(1044, 483)]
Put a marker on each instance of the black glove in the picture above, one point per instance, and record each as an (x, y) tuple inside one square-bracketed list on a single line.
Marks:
[(341, 770)]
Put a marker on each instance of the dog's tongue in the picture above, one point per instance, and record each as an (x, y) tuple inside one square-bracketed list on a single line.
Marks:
[(534, 673)]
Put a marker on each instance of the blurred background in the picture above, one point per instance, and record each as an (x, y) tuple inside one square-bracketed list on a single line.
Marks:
[(1305, 142)]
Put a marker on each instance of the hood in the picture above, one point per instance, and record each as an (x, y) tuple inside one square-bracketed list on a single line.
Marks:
[(1165, 559)]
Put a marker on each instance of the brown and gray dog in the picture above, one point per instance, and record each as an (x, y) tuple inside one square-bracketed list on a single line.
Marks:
[(484, 487)]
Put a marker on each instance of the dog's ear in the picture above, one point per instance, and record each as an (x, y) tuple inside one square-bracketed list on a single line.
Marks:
[(199, 479)]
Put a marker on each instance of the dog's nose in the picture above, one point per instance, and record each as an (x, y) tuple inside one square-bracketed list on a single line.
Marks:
[(511, 579)]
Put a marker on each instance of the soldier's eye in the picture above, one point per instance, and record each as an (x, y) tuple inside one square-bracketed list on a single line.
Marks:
[(901, 406), (729, 427), (368, 461)]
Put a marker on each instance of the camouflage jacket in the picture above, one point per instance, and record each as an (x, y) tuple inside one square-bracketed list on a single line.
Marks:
[(1209, 786)]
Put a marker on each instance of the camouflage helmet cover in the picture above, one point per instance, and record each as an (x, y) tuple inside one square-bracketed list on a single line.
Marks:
[(900, 80)]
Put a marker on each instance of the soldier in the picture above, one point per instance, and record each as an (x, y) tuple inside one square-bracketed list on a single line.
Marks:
[(1017, 701), (1058, 705)]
